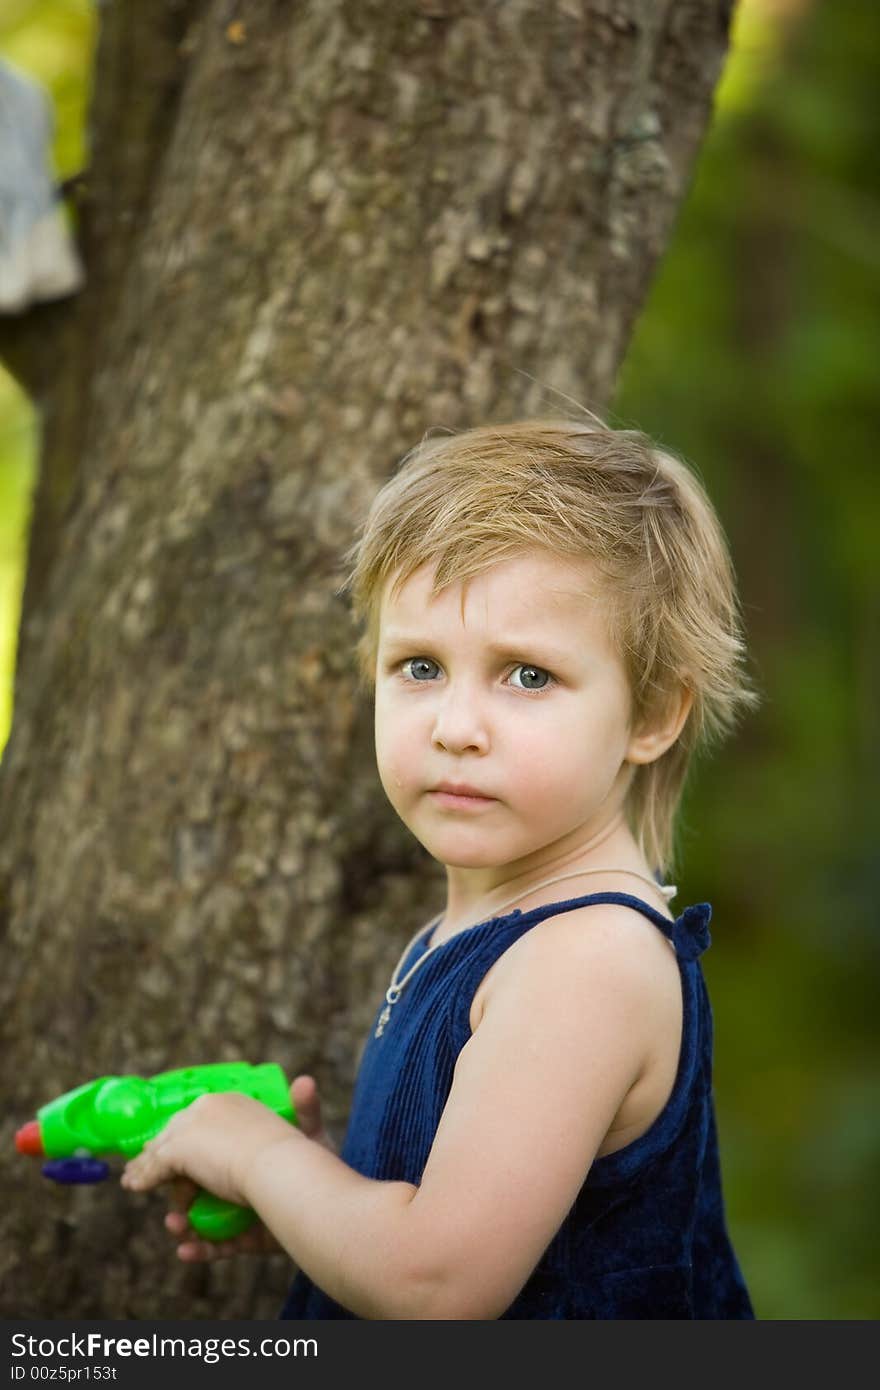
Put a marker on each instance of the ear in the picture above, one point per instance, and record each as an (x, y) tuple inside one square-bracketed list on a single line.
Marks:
[(653, 739)]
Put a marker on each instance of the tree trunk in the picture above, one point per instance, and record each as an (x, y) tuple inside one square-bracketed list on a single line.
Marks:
[(311, 234)]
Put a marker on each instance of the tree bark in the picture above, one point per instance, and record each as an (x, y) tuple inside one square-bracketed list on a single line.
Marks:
[(312, 232)]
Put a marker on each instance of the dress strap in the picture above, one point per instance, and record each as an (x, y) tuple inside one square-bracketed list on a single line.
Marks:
[(689, 933)]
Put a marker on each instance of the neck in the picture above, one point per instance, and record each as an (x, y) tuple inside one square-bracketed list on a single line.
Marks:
[(610, 847)]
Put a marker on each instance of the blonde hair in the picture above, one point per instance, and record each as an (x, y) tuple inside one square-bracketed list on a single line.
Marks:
[(613, 498)]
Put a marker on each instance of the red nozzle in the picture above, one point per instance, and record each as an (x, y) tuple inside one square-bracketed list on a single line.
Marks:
[(28, 1140)]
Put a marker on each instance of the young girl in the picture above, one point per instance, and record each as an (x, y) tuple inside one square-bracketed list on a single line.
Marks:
[(551, 631)]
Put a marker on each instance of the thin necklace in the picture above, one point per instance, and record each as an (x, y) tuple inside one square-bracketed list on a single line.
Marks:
[(396, 988)]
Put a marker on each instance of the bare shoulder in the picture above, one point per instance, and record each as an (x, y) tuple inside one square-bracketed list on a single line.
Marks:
[(589, 949), (613, 934)]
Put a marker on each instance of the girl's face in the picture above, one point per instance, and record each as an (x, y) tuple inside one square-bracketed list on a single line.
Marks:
[(510, 687)]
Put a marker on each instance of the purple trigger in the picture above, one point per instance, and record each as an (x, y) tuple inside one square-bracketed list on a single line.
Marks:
[(76, 1170)]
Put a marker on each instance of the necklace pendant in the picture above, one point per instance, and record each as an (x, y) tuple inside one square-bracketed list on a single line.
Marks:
[(383, 1019)]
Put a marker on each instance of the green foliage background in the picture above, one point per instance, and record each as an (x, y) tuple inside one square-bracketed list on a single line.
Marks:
[(755, 360)]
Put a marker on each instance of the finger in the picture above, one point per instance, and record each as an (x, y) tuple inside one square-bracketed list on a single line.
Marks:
[(189, 1246), (304, 1094), (257, 1241), (151, 1167), (177, 1223), (254, 1242), (193, 1251)]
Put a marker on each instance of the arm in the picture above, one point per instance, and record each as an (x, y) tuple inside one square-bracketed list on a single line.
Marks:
[(566, 1019)]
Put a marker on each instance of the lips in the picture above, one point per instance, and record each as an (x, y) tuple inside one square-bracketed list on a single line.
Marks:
[(462, 789), (458, 797)]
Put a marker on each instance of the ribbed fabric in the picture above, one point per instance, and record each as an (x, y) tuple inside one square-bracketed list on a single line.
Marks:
[(646, 1236)]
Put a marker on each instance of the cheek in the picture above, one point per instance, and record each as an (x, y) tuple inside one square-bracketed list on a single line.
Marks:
[(397, 744), (544, 767), (574, 749), (555, 733)]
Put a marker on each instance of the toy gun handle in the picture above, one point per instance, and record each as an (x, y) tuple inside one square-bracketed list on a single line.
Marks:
[(216, 1220)]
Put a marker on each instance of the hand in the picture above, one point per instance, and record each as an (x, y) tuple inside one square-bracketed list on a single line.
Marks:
[(215, 1142), (258, 1240)]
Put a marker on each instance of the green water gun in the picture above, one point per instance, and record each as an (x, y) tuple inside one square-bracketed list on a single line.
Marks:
[(118, 1115)]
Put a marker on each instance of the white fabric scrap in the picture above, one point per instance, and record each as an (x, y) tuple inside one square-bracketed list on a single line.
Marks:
[(38, 256)]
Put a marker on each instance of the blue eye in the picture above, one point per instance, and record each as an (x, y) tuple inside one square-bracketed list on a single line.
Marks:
[(418, 664), (423, 669), (529, 674)]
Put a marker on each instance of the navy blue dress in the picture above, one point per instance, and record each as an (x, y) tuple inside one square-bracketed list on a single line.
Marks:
[(646, 1236)]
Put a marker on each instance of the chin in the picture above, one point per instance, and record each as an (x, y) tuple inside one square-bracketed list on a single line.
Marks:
[(457, 854), (453, 848), (462, 861)]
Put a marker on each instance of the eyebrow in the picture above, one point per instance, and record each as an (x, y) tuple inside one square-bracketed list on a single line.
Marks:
[(533, 646)]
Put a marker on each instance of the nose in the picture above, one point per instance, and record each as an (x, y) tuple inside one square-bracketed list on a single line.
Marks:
[(459, 725)]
